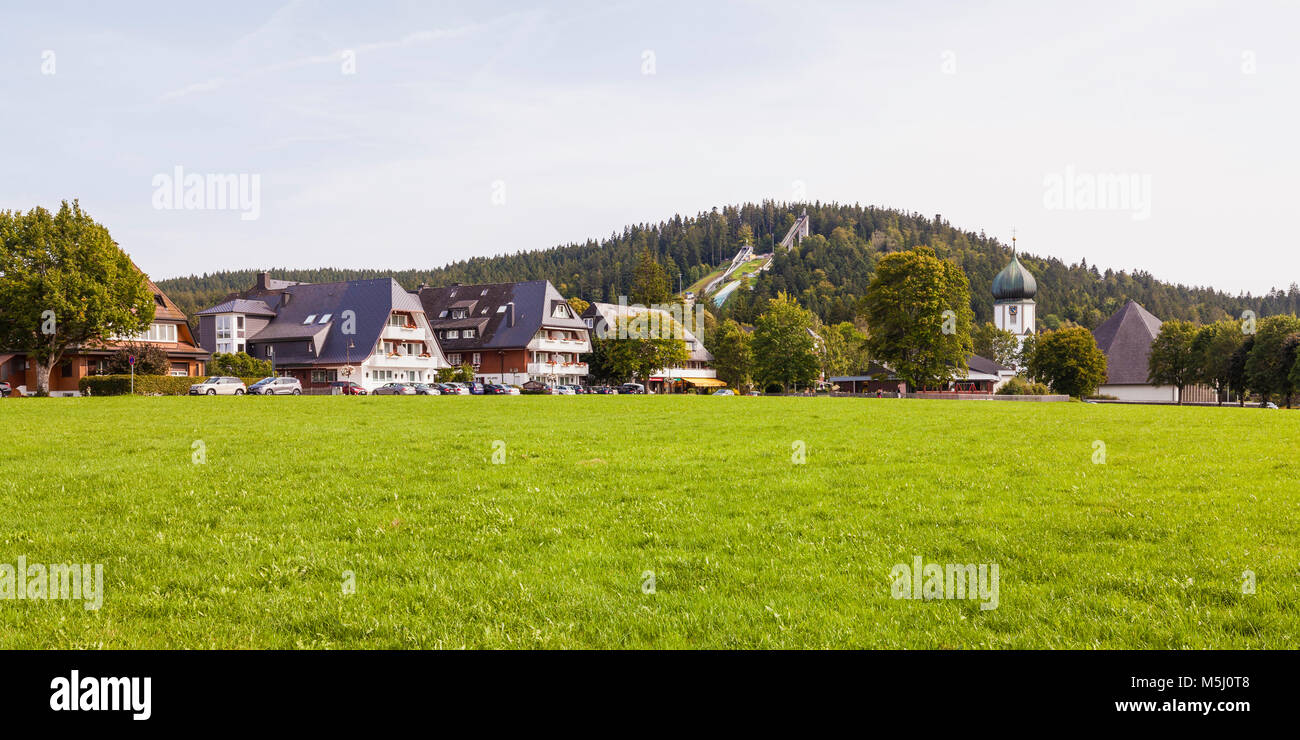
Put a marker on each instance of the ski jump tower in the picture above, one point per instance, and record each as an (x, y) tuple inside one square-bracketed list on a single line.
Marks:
[(798, 231)]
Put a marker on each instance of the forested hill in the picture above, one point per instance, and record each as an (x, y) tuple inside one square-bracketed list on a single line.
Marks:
[(828, 271)]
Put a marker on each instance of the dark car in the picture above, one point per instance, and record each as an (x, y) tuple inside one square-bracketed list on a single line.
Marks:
[(422, 389), (603, 390), (476, 388), (348, 388), (394, 389), (496, 389), (5, 390), (632, 388)]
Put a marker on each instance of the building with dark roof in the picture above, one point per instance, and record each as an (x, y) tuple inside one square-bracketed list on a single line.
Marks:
[(510, 333), (370, 332), (1126, 339)]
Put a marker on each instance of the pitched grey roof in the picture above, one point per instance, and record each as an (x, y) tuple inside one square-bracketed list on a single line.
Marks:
[(1126, 339), (239, 305), (985, 365), (372, 301), (528, 307)]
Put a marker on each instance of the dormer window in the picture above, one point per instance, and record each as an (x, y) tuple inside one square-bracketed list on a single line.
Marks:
[(561, 311), (469, 333), (459, 313)]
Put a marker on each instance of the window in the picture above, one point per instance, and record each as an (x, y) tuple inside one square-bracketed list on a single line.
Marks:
[(179, 370), (324, 376), (477, 359), (501, 308), (397, 319), (470, 333), (67, 369), (157, 333), (324, 319), (442, 315), (225, 348), (588, 322), (239, 325), (159, 300), (223, 327), (454, 359), (451, 334), (561, 311), (310, 318), (483, 293), (459, 313)]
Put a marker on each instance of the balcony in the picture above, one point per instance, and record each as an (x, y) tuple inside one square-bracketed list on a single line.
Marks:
[(559, 345), (688, 372), (545, 369), (401, 332), (379, 359)]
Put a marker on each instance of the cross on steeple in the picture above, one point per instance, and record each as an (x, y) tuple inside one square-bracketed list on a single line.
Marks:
[(1013, 240)]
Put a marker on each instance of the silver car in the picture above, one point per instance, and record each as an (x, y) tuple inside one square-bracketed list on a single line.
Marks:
[(276, 387), (218, 385), (393, 389)]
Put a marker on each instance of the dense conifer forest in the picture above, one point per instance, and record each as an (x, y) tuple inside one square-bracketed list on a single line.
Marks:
[(827, 272)]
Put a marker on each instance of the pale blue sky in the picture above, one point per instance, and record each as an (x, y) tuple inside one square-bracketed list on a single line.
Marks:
[(965, 109)]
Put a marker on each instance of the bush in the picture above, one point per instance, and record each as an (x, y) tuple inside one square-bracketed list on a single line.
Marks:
[(239, 364), (150, 359), (1018, 386)]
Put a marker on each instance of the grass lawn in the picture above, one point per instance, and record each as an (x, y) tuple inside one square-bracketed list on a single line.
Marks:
[(548, 549)]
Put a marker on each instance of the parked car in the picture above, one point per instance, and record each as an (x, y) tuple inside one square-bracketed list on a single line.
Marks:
[(724, 392), (559, 390), (577, 389), (604, 390), (632, 388), (349, 388), (422, 389), (476, 388), (393, 389), (276, 387), (5, 390), (497, 389), (455, 389), (218, 385)]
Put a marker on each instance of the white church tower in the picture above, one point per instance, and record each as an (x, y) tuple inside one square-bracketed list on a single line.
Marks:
[(1013, 299)]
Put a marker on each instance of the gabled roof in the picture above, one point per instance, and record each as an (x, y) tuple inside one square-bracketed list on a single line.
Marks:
[(985, 365), (1126, 339), (506, 315), (372, 301), (239, 305)]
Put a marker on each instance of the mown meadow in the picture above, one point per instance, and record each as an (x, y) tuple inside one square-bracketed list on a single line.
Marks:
[(648, 522)]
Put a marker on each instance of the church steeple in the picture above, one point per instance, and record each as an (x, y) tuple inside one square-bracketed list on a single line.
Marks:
[(1013, 297)]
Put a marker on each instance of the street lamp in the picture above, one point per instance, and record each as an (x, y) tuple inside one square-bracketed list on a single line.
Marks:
[(270, 353)]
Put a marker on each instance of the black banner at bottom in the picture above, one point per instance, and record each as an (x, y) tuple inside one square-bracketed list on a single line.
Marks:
[(258, 690)]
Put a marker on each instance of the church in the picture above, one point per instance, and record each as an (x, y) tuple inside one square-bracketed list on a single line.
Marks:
[(1013, 299)]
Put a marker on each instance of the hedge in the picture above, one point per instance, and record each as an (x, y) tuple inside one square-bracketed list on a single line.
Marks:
[(145, 385)]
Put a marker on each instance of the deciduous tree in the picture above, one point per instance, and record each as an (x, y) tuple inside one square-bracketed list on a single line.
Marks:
[(918, 316), (63, 283)]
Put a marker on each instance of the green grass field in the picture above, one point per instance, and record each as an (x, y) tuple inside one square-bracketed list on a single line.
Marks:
[(548, 549)]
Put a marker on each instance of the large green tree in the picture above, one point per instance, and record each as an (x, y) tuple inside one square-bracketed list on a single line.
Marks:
[(1237, 380), (650, 283), (785, 352), (918, 316), (1171, 361), (1269, 363), (63, 283), (1069, 361), (733, 357), (995, 344), (1212, 350), (637, 349)]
